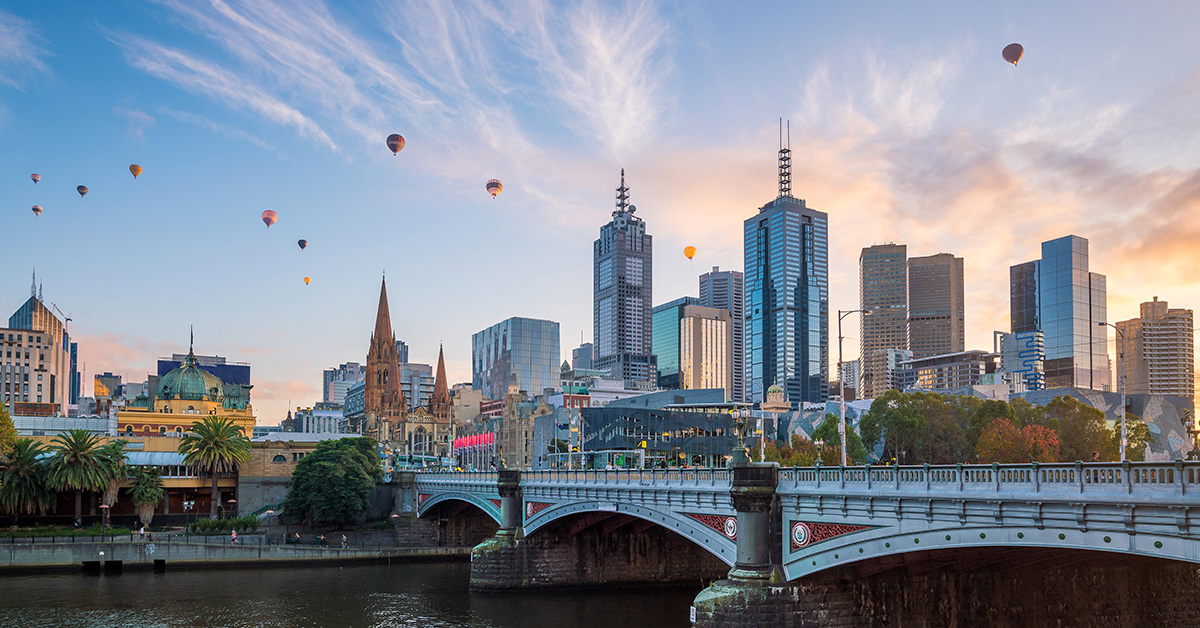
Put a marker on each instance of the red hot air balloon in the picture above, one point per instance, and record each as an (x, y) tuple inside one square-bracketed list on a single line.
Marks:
[(82, 189), (303, 244), (269, 217), (494, 187), (37, 210), (36, 177), (1012, 53), (395, 142)]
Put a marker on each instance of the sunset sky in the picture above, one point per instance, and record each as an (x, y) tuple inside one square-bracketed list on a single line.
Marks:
[(906, 126)]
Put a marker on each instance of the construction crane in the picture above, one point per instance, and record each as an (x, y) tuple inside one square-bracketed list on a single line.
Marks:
[(67, 322)]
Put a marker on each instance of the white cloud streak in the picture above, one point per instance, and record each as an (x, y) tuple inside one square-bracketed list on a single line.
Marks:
[(20, 50)]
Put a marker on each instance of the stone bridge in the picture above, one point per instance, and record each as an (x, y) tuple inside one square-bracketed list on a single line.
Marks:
[(781, 530)]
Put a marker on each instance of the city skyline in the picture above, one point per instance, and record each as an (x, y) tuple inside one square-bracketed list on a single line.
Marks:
[(907, 127)]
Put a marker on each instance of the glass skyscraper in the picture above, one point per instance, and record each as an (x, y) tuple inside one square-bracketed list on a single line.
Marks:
[(665, 339), (725, 289), (524, 349), (883, 294), (936, 314), (1061, 297), (787, 296)]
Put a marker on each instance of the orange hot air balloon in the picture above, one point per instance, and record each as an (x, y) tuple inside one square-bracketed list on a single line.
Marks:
[(36, 177), (303, 244), (135, 170), (306, 280), (1012, 53), (494, 187), (395, 142), (37, 210), (82, 189), (689, 251), (269, 217)]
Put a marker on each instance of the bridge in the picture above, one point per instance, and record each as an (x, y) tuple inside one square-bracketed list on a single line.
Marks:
[(788, 527)]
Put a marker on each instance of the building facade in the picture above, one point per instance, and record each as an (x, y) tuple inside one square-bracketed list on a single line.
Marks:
[(524, 348), (335, 382), (954, 370), (581, 356), (787, 295), (883, 295), (383, 402), (1023, 360), (622, 288), (665, 342), (1062, 298), (936, 310), (725, 289), (705, 349), (35, 361), (1156, 352), (185, 395)]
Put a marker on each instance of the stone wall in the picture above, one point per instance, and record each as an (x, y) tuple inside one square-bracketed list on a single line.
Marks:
[(589, 551)]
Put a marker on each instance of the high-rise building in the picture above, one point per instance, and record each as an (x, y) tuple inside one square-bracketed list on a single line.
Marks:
[(936, 314), (1061, 297), (954, 370), (787, 296), (883, 295), (36, 369), (725, 290), (665, 340), (705, 348), (622, 280), (581, 357), (401, 351), (523, 348), (335, 382), (416, 384), (1023, 360), (1156, 351)]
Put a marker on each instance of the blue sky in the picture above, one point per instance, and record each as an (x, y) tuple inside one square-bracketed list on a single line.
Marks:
[(906, 126)]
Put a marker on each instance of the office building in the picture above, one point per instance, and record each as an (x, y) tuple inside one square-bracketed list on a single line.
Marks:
[(665, 343), (954, 370), (1156, 351), (581, 357), (1023, 360), (705, 348), (524, 348), (401, 351), (36, 369), (1062, 298), (622, 282), (725, 289), (317, 420), (883, 292), (936, 314), (787, 296), (335, 382), (416, 384)]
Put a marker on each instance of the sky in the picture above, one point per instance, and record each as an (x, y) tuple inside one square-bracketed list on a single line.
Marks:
[(906, 127)]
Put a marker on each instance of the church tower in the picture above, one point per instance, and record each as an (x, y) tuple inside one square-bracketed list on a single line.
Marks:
[(441, 391), (382, 398)]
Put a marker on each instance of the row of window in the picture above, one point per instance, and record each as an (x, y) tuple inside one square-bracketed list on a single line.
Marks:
[(10, 338)]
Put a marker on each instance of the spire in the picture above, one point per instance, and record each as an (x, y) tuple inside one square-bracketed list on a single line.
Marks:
[(383, 321), (33, 284), (441, 392), (191, 337), (622, 196), (785, 161)]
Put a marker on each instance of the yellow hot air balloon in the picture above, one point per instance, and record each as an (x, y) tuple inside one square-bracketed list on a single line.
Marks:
[(306, 280), (135, 170), (689, 251), (494, 187)]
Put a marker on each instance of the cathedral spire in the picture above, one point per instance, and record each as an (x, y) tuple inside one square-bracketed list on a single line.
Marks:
[(441, 391), (383, 321)]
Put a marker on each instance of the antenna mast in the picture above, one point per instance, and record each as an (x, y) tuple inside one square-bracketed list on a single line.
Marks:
[(785, 160), (622, 196)]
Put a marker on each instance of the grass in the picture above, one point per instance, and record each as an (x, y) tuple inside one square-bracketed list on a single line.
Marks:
[(48, 531)]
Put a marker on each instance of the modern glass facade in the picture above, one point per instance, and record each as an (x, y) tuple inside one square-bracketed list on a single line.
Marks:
[(936, 314), (725, 289), (705, 342), (522, 348), (883, 294), (1061, 297), (664, 322), (1023, 358), (787, 300)]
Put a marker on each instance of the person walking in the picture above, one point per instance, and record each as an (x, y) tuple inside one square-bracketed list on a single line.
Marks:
[(344, 545), (233, 537), (142, 533)]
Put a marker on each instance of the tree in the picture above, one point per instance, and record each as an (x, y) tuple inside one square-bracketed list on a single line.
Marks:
[(831, 452), (557, 446), (944, 440), (146, 491), (115, 469), (1002, 441), (894, 422), (215, 445), (801, 452), (1138, 434), (23, 488), (8, 434), (987, 411), (77, 465), (333, 483), (1081, 429)]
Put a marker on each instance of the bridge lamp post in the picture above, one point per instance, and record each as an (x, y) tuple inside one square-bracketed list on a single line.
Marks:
[(842, 380), (1121, 379)]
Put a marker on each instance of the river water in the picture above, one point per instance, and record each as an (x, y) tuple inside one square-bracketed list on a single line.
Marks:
[(409, 594)]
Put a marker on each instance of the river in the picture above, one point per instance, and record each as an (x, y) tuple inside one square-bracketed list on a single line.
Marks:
[(409, 594)]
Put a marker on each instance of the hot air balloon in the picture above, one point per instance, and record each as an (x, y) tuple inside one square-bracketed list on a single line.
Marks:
[(82, 189), (1012, 53), (36, 177), (302, 244), (395, 141), (37, 210), (135, 170), (269, 217), (306, 280), (689, 251), (494, 187)]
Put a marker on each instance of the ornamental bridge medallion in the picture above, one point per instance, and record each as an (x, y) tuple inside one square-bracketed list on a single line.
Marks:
[(721, 523)]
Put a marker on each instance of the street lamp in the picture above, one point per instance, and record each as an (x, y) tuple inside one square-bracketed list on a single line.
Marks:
[(842, 381), (1121, 379)]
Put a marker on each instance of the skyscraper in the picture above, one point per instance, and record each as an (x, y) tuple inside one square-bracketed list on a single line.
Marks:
[(523, 348), (936, 314), (1061, 297), (622, 280), (665, 340), (1158, 351), (705, 342), (724, 289), (883, 294), (787, 295)]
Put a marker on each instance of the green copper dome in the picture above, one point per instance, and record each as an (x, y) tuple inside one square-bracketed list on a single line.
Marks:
[(774, 388), (190, 382)]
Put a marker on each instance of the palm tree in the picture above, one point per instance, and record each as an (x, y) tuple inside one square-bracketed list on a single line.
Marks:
[(214, 445), (78, 465), (23, 488), (116, 469), (146, 491)]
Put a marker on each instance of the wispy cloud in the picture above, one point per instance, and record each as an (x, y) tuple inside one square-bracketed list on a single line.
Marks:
[(139, 121), (21, 49), (224, 129)]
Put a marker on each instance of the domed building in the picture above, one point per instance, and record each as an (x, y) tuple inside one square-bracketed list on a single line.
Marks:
[(184, 396)]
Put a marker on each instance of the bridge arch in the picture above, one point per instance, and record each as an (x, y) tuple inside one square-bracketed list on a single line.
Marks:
[(488, 507)]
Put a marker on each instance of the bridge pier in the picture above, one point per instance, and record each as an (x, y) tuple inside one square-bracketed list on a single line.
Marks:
[(499, 562)]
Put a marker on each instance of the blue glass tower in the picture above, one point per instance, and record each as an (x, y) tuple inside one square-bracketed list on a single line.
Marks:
[(787, 296), (665, 339), (524, 348)]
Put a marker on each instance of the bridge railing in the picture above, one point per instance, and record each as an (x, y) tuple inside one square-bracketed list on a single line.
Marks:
[(640, 477), (1131, 477)]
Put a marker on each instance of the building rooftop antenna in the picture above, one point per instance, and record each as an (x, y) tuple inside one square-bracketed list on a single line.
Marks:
[(785, 160), (33, 284), (622, 197)]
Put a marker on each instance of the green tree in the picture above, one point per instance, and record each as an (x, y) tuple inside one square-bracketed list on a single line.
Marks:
[(115, 469), (944, 439), (23, 488), (800, 452), (831, 451), (215, 445), (77, 465), (985, 412), (333, 484), (146, 491), (8, 434), (1139, 437), (1081, 429), (895, 423), (557, 446)]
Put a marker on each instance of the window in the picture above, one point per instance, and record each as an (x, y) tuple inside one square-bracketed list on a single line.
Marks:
[(278, 458), (162, 430)]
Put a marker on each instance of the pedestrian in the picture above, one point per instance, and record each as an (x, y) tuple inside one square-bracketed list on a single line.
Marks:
[(1095, 456), (142, 532), (233, 537), (323, 540), (344, 541)]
